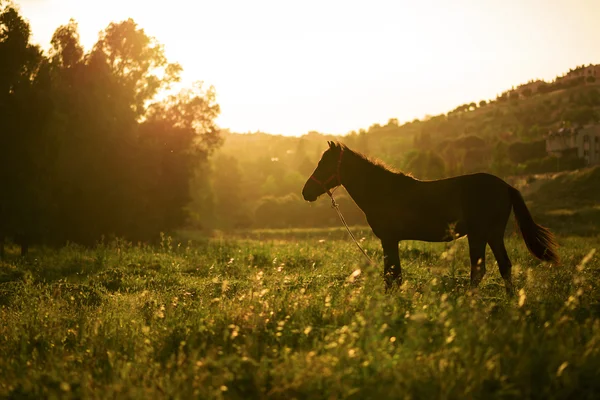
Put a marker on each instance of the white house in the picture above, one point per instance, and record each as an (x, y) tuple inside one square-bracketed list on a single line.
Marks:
[(586, 141)]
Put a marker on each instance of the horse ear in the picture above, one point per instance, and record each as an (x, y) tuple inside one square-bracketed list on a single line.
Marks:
[(331, 144)]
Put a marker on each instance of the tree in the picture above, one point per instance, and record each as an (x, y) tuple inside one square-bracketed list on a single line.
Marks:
[(99, 158), (501, 164), (66, 50), (97, 105), (137, 61), (175, 140), (580, 115), (21, 166), (520, 152), (483, 103)]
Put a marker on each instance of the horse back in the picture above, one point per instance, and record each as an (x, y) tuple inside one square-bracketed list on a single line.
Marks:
[(430, 210)]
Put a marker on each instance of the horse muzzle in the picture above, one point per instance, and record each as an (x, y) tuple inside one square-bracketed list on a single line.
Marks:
[(309, 196), (310, 191)]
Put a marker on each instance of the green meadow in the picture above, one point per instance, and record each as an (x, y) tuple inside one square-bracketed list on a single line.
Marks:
[(295, 314)]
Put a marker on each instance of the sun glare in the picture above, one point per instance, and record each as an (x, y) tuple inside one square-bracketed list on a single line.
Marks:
[(338, 66)]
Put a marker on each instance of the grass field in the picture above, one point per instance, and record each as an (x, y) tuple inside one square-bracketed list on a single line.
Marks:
[(295, 314)]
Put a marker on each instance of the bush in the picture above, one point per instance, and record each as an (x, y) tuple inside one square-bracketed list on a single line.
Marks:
[(553, 164), (521, 152)]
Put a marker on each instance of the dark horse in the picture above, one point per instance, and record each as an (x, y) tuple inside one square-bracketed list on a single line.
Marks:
[(399, 207)]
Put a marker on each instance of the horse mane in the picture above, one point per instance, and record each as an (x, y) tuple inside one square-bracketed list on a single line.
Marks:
[(376, 165)]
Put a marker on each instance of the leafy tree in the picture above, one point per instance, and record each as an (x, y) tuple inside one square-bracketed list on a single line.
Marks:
[(475, 160), (520, 152), (580, 115), (99, 157), (21, 98), (501, 164), (137, 61)]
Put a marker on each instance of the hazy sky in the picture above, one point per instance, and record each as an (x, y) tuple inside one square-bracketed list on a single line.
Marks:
[(335, 66)]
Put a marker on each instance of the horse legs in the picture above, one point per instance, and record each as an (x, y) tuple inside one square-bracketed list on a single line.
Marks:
[(504, 264), (392, 273), (477, 254)]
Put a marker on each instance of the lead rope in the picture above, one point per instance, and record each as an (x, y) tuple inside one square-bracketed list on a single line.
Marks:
[(335, 205)]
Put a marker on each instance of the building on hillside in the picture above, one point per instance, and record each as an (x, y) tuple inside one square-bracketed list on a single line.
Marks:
[(582, 72), (586, 141)]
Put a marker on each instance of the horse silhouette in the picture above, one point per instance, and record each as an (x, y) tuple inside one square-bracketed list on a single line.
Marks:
[(400, 207)]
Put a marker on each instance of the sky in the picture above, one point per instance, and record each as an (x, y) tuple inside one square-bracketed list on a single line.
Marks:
[(290, 67)]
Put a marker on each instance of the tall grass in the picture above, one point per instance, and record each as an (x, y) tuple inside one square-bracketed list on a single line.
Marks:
[(295, 319)]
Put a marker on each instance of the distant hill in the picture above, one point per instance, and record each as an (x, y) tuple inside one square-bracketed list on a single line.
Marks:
[(504, 136), (523, 114)]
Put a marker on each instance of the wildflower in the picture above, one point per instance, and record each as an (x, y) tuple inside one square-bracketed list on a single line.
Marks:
[(354, 275), (452, 336), (561, 369), (522, 297), (585, 259), (418, 317)]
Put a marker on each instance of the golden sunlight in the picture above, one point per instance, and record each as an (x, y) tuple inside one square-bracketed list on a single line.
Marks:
[(337, 66)]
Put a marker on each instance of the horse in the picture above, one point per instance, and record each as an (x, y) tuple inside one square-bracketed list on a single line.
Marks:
[(399, 207)]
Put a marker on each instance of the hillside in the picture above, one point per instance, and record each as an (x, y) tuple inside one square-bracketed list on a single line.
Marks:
[(570, 202), (504, 136)]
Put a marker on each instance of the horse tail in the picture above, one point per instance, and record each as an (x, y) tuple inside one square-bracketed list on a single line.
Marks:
[(539, 240)]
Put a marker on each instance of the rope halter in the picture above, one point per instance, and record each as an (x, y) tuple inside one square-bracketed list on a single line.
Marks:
[(335, 175)]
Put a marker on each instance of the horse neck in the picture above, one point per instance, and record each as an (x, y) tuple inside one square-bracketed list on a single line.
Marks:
[(365, 182)]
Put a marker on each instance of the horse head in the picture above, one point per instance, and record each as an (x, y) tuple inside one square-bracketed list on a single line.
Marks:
[(327, 174)]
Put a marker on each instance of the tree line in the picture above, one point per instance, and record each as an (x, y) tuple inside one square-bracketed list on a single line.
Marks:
[(257, 177), (85, 148)]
